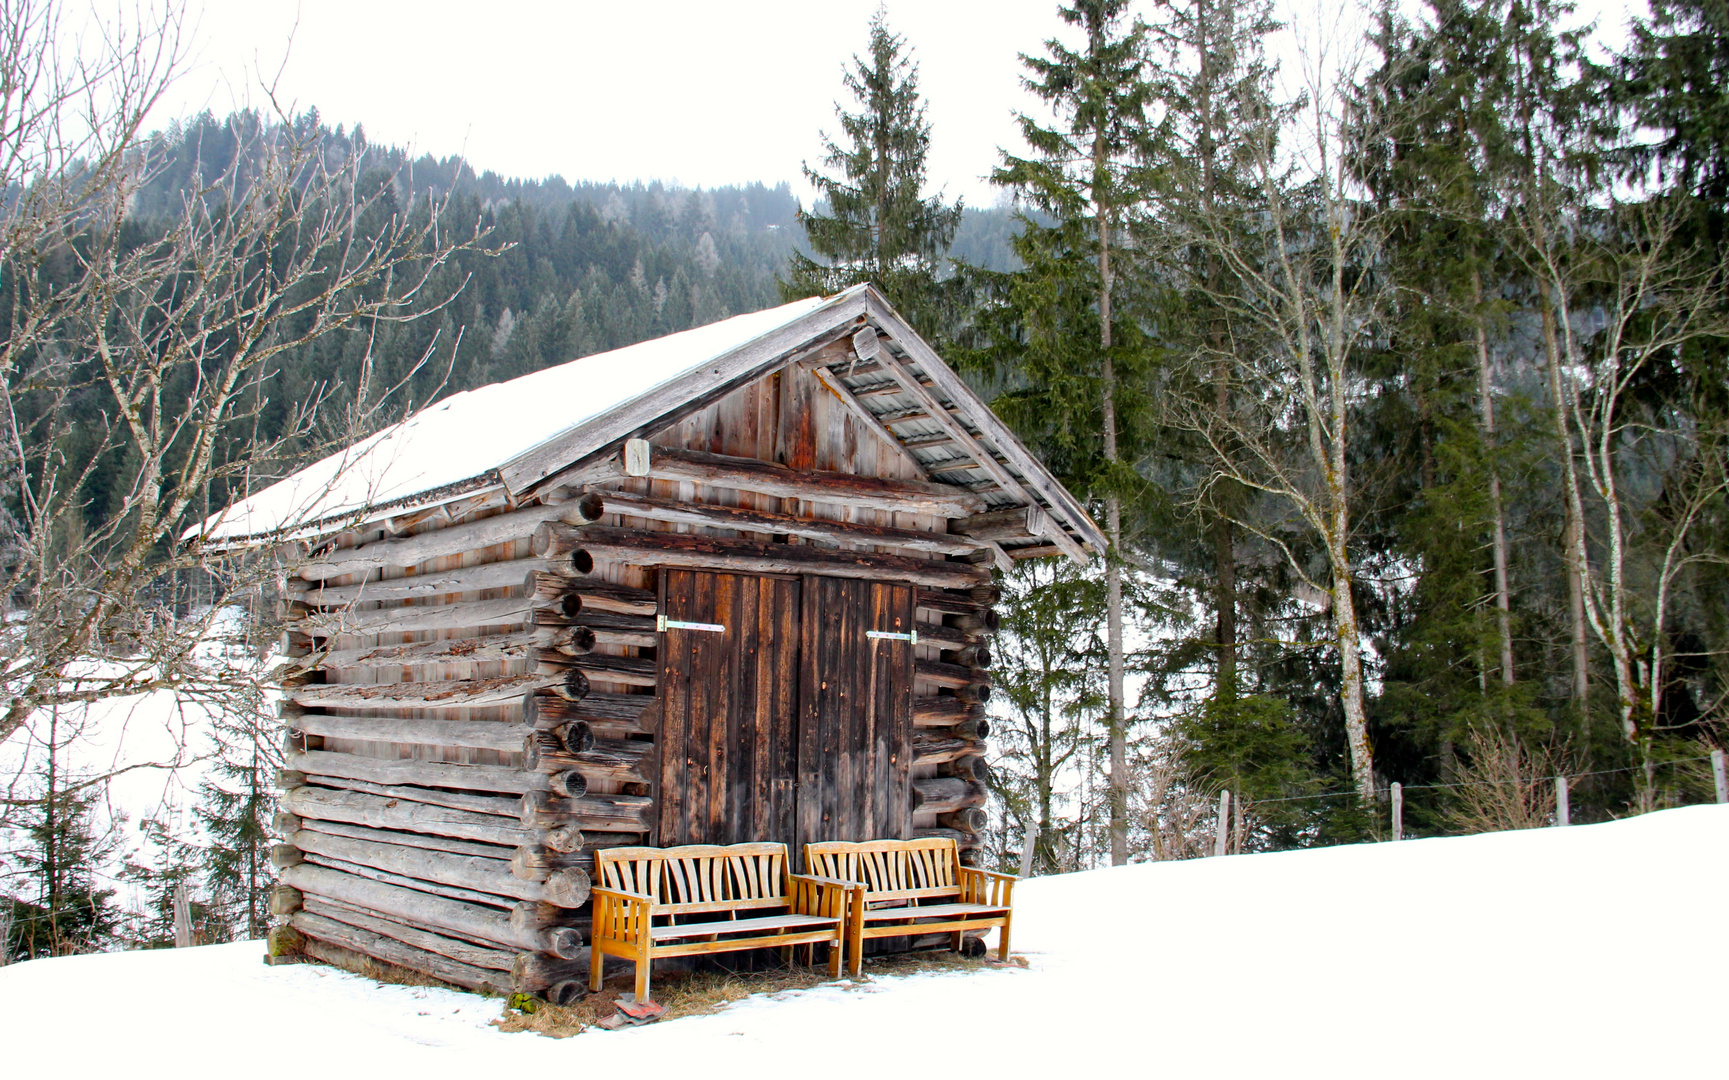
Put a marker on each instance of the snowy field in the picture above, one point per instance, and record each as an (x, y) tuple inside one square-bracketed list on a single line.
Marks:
[(1589, 951)]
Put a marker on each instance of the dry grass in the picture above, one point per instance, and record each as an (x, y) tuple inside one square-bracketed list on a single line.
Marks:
[(1504, 784), (696, 993)]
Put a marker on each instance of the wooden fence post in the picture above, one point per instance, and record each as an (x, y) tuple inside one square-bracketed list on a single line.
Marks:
[(1398, 793), (182, 917), (1027, 850), (1720, 775), (1563, 812), (1222, 834)]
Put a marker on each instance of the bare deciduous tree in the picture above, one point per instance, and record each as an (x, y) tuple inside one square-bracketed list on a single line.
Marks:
[(148, 351), (1302, 297)]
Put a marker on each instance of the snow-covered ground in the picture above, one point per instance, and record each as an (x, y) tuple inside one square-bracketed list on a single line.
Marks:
[(1589, 951)]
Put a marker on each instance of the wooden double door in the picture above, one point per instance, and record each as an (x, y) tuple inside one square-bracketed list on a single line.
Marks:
[(786, 709)]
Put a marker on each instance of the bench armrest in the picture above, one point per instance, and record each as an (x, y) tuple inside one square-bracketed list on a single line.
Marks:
[(825, 897), (620, 915), (985, 886)]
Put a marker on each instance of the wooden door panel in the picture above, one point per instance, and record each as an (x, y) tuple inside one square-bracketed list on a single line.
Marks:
[(855, 719), (728, 716)]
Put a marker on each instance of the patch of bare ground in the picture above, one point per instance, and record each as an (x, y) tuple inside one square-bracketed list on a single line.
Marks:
[(695, 993)]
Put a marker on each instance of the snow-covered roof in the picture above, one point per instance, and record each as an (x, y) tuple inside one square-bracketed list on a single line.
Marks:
[(462, 441), (522, 434)]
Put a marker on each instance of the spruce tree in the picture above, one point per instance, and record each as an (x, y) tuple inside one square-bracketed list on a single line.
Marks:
[(72, 913), (879, 227), (1067, 330), (237, 802)]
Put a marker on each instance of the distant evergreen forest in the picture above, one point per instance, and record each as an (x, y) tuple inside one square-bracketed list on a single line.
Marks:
[(580, 268)]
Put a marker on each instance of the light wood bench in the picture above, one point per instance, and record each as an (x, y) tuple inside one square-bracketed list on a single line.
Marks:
[(903, 888), (654, 902)]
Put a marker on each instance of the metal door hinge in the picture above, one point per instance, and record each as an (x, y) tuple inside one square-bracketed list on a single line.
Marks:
[(663, 624)]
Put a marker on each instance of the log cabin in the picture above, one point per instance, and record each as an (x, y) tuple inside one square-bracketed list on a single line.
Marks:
[(732, 584)]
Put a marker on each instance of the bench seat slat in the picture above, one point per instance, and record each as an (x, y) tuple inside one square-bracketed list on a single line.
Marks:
[(933, 911), (741, 926)]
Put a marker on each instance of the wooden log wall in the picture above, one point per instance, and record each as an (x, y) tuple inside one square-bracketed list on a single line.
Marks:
[(474, 708)]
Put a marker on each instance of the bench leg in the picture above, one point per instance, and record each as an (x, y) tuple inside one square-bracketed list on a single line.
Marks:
[(596, 963), (643, 967), (786, 955), (957, 941), (834, 957), (1003, 941), (855, 941)]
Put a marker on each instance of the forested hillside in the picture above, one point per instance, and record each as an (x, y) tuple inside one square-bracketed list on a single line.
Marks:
[(564, 270)]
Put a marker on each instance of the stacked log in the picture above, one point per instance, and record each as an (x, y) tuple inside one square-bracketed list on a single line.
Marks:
[(950, 727), (443, 796)]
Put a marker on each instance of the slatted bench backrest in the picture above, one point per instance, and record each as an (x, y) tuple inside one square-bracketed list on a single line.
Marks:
[(698, 877), (888, 869)]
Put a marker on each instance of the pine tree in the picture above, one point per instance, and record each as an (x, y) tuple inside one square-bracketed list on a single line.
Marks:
[(237, 802), (879, 227), (1067, 329), (71, 913)]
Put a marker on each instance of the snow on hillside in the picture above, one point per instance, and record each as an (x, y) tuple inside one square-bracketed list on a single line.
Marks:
[(1589, 951)]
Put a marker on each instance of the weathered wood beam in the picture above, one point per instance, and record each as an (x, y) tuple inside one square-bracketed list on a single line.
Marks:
[(947, 637), (414, 550), (532, 862), (433, 583), (449, 694), (955, 603), (768, 478), (490, 805), (954, 676), (564, 888), (592, 594), (611, 715), (942, 710), (419, 773), (405, 839), (593, 505), (329, 939), (608, 759), (466, 952), (941, 794), (969, 819), (511, 611), (937, 749), (1015, 523), (594, 813), (620, 670), (558, 540), (504, 736), (494, 648), (471, 920), (397, 813)]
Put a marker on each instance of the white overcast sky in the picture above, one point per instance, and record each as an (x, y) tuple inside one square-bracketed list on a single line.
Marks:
[(702, 93)]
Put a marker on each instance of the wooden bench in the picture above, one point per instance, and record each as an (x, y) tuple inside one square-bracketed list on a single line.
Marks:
[(903, 888), (703, 898)]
